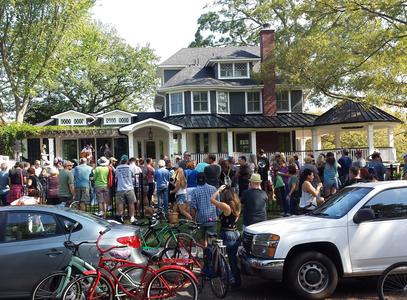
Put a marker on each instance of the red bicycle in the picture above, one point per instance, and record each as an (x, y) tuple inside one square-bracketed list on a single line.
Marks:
[(118, 278)]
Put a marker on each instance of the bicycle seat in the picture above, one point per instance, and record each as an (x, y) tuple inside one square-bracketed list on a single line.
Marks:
[(70, 245), (152, 254), (120, 254)]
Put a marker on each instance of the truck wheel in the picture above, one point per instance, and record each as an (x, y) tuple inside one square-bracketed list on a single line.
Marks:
[(312, 275)]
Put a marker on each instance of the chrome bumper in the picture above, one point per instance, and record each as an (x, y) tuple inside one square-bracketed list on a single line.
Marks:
[(266, 268)]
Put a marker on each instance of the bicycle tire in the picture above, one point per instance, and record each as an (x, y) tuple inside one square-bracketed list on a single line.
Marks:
[(187, 249), (177, 280), (151, 240), (50, 286), (393, 282), (220, 283), (129, 284), (78, 289)]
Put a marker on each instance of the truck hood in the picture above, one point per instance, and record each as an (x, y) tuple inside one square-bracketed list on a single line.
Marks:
[(292, 224)]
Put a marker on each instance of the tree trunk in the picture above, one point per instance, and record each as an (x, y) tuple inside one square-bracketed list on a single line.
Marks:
[(20, 115)]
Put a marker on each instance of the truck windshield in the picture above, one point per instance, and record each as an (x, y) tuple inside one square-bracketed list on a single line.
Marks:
[(341, 203)]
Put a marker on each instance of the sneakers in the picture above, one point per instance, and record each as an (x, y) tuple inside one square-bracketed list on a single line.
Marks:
[(133, 221), (99, 214), (120, 219)]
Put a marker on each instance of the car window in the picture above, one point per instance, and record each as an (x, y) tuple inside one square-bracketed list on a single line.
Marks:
[(22, 226), (67, 223), (341, 203), (389, 204)]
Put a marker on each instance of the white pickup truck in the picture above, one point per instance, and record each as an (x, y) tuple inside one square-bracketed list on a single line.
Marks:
[(359, 232)]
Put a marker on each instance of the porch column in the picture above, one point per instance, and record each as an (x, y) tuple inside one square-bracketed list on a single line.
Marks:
[(213, 142), (370, 139), (131, 144), (143, 149), (301, 144), (170, 144), (316, 141), (390, 143), (51, 154), (230, 143), (337, 139), (183, 142), (253, 142)]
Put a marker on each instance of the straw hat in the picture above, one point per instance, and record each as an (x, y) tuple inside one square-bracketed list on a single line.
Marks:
[(103, 161), (255, 178)]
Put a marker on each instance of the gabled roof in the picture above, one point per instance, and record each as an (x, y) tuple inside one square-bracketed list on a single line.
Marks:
[(73, 112), (349, 111), (113, 111), (201, 56)]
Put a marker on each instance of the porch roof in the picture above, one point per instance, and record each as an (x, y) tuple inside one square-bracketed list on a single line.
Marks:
[(354, 112)]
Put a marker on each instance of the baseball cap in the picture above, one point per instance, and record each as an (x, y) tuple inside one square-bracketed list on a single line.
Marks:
[(124, 158)]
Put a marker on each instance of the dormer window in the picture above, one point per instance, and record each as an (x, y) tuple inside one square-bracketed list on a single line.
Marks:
[(200, 102), (283, 101), (65, 121), (176, 104), (233, 70)]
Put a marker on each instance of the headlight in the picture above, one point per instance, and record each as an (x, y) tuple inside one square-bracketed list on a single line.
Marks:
[(265, 245)]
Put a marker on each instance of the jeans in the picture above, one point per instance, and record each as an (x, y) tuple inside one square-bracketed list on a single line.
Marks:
[(293, 204), (3, 199), (150, 192), (282, 193), (162, 195), (231, 239)]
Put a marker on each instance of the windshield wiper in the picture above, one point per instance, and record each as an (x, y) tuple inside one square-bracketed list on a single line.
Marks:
[(320, 214)]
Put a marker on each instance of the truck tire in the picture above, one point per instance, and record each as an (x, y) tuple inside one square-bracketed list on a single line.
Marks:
[(312, 275)]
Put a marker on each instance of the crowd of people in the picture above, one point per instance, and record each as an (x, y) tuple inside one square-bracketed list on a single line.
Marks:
[(205, 192)]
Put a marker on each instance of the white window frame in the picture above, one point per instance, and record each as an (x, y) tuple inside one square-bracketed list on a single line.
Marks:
[(65, 124), (228, 104), (289, 102), (246, 103), (183, 104), (233, 67), (192, 103)]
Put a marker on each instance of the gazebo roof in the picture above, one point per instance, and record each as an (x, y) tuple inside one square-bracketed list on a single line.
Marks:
[(349, 111)]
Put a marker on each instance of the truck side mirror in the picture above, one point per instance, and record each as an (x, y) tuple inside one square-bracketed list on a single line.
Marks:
[(364, 214)]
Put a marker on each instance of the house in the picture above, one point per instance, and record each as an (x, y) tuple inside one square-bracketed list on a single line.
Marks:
[(210, 102)]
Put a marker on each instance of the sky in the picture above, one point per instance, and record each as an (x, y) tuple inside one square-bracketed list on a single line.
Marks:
[(166, 25)]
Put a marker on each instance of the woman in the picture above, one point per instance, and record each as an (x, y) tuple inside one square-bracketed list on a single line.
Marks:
[(321, 161), (180, 192), (331, 183), (280, 189), (229, 204), (292, 195), (32, 184), (53, 186), (310, 198), (16, 179), (171, 184)]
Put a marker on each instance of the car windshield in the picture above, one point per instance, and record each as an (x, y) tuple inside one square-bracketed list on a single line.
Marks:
[(341, 203), (96, 219)]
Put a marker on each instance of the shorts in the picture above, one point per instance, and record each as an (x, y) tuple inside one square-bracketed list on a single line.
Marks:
[(206, 228), (125, 197), (181, 198), (102, 194), (82, 195), (331, 183)]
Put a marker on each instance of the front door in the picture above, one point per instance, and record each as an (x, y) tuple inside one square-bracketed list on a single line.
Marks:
[(150, 150)]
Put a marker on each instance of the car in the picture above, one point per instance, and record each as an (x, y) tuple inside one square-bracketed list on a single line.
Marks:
[(359, 231), (31, 243)]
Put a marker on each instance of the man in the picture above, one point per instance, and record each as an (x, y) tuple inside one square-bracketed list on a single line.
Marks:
[(183, 163), (162, 178), (4, 187), (101, 179), (202, 211), (66, 189), (200, 167), (345, 162), (263, 167), (212, 171), (405, 166), (359, 162), (243, 175), (136, 170), (376, 167), (254, 202), (125, 190), (309, 165), (81, 176), (297, 161), (150, 180), (37, 168), (354, 176)]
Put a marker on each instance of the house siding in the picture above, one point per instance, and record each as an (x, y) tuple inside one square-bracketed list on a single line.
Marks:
[(237, 103), (168, 74), (296, 101)]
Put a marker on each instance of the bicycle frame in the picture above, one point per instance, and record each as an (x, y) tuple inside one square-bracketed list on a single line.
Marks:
[(160, 236)]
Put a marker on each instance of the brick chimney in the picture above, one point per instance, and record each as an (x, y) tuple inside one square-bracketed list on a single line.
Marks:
[(269, 90)]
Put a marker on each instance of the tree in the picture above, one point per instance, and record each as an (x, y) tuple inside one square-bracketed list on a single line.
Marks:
[(341, 49), (100, 71), (31, 33)]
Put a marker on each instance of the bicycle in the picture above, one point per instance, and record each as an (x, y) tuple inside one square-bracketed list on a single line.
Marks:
[(118, 278), (392, 284), (52, 286)]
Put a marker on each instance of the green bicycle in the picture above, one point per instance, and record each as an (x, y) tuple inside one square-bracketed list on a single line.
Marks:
[(53, 285)]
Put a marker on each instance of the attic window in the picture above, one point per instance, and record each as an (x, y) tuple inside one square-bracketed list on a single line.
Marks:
[(65, 121), (110, 121), (233, 70), (124, 120), (79, 121)]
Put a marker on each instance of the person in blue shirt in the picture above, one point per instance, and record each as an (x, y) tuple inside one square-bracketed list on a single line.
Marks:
[(4, 187), (345, 162), (81, 176), (125, 190), (162, 178)]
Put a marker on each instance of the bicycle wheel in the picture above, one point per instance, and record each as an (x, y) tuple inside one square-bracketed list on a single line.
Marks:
[(174, 284), (183, 245), (393, 282), (151, 240), (220, 283), (51, 287), (130, 279), (79, 289)]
